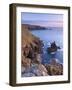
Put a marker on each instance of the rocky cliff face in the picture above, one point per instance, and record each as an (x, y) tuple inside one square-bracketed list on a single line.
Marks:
[(31, 45), (31, 58)]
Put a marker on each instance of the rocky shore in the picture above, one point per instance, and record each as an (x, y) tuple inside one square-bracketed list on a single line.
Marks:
[(31, 60), (54, 67)]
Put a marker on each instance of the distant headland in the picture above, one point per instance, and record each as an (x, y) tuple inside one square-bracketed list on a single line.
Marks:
[(36, 27)]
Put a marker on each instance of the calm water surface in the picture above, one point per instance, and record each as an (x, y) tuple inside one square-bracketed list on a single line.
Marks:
[(48, 36)]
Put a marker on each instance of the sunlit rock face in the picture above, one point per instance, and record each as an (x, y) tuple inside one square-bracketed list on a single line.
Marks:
[(54, 68)]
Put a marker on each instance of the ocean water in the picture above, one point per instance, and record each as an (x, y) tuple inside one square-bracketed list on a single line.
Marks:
[(49, 36)]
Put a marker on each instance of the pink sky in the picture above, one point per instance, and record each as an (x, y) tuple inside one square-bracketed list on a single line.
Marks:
[(48, 20), (46, 24)]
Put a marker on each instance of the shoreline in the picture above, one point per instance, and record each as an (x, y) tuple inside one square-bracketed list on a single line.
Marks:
[(32, 48)]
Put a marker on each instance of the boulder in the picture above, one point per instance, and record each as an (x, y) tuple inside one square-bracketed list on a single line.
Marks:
[(54, 68)]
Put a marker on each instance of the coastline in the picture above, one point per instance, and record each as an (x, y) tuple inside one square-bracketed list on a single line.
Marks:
[(31, 57)]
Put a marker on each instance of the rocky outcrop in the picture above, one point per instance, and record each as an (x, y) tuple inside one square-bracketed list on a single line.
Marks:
[(54, 68), (26, 62), (35, 70), (42, 69), (39, 70)]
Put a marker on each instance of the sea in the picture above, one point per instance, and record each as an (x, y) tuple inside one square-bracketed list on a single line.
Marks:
[(48, 36)]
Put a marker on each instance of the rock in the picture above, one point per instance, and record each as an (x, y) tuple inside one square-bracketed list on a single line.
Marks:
[(39, 70), (26, 62), (38, 58), (34, 70), (26, 50), (43, 69), (54, 68)]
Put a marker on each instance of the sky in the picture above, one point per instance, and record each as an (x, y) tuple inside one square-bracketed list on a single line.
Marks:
[(42, 19)]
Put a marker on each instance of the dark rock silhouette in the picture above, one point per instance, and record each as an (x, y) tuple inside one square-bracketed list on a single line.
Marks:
[(34, 27), (53, 47)]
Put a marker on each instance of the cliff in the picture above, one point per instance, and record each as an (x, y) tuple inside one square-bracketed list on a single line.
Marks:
[(34, 27), (31, 58), (29, 39), (31, 45)]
